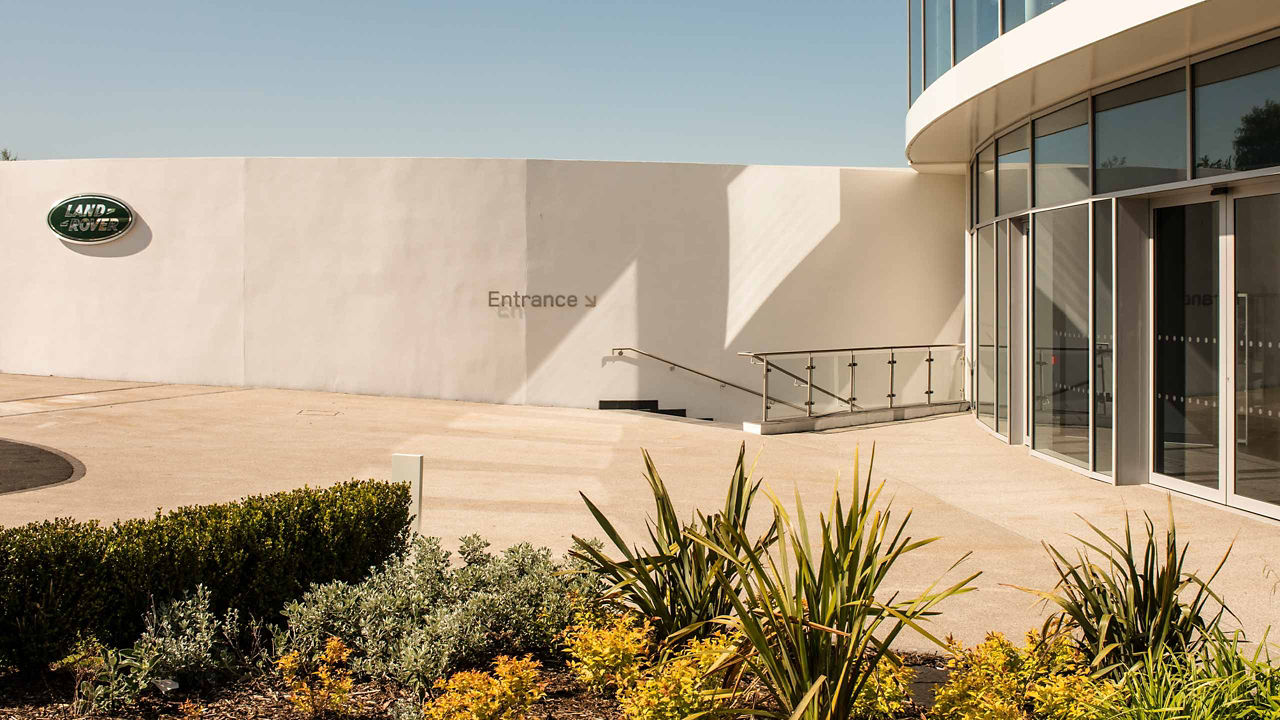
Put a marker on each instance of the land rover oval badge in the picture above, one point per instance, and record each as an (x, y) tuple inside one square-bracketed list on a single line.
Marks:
[(90, 219)]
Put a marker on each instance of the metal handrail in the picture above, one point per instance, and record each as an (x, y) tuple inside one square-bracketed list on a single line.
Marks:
[(874, 348), (619, 351), (799, 379), (764, 359)]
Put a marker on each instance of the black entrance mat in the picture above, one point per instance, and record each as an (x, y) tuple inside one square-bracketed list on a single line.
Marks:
[(23, 467)]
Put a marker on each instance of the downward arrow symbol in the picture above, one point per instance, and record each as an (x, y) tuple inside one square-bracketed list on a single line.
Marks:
[(590, 300)]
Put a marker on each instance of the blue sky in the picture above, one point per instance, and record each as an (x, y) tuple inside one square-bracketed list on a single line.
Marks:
[(818, 83)]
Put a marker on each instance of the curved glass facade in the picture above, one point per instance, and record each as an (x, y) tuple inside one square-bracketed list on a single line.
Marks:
[(943, 32), (1205, 119), (1147, 222)]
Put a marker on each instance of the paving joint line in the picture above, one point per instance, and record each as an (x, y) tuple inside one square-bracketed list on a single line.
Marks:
[(90, 392), (122, 402)]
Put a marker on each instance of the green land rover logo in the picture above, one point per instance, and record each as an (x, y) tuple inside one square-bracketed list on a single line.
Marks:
[(90, 219)]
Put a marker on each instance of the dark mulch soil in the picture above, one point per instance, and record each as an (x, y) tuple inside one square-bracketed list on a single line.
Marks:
[(930, 672), (265, 699)]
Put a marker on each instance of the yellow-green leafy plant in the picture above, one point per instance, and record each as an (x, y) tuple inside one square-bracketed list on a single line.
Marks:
[(810, 605), (887, 693), (690, 682), (323, 690), (1071, 697), (1048, 679), (508, 693), (984, 683), (607, 651)]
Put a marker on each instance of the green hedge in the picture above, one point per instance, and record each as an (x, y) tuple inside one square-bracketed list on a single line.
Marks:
[(63, 580)]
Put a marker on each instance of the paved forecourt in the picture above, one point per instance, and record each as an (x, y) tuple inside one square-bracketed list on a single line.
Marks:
[(513, 473)]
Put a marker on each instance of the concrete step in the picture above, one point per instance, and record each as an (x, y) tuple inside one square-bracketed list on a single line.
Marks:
[(650, 406), (645, 405)]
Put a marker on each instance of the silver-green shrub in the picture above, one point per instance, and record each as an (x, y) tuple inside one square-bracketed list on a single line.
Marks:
[(185, 641), (420, 617), (184, 644)]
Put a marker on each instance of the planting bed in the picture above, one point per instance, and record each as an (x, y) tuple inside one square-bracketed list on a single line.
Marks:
[(258, 613), (34, 698), (262, 699)]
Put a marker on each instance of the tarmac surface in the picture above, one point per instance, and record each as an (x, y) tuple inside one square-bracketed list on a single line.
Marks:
[(513, 474)]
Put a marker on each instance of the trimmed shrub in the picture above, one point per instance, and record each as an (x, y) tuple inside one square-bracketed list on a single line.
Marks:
[(62, 581)]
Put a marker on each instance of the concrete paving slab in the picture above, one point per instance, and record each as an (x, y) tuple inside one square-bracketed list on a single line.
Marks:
[(25, 387), (513, 474)]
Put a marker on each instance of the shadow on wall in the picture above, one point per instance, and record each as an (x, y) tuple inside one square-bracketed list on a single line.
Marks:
[(698, 263), (133, 242)]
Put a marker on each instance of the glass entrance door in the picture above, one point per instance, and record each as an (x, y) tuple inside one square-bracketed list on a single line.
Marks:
[(1186, 367), (1254, 468)]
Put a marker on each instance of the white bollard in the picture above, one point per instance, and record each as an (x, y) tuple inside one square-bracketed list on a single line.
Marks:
[(408, 469)]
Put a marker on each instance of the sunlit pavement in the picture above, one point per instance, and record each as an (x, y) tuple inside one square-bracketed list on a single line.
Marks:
[(513, 474)]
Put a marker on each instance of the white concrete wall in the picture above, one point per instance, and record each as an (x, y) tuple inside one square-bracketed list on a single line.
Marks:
[(372, 275), (164, 302)]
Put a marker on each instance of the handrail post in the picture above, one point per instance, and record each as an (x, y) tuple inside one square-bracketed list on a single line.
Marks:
[(764, 401), (808, 383), (892, 363), (852, 397), (928, 393)]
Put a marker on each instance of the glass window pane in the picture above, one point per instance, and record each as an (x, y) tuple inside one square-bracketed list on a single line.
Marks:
[(1062, 156), (985, 321), (987, 184), (1237, 106), (1257, 353), (1017, 12), (1002, 328), (1060, 334), (937, 39), (1140, 134), (1186, 348), (977, 22), (973, 194), (916, 49), (1103, 391), (1013, 162)]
